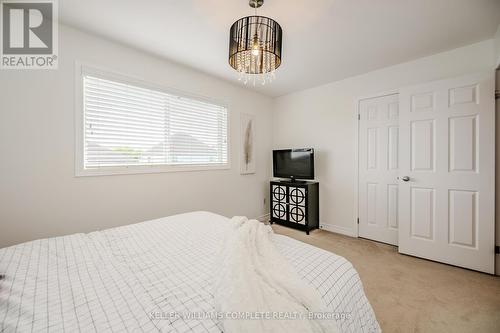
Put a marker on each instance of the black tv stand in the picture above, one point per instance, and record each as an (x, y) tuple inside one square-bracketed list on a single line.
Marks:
[(295, 204), (293, 181)]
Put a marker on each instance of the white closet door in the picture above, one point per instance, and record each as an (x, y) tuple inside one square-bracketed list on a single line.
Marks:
[(447, 150), (378, 169)]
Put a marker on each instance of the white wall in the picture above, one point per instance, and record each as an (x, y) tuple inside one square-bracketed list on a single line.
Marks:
[(496, 39), (497, 175), (323, 118), (39, 195)]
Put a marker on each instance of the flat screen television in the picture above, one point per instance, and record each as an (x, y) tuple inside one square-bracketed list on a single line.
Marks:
[(293, 163)]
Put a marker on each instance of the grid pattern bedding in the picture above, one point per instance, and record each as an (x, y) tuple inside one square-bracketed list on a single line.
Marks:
[(149, 277)]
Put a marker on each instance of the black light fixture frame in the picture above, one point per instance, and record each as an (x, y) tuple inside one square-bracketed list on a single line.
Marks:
[(242, 35)]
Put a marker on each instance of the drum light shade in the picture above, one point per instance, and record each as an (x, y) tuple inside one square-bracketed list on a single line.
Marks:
[(255, 47)]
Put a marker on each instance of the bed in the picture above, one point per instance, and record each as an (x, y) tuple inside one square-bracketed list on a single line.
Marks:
[(149, 277)]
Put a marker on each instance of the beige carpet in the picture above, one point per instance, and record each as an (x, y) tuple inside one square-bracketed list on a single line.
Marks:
[(415, 295)]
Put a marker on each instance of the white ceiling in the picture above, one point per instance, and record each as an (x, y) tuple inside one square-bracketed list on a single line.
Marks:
[(324, 40)]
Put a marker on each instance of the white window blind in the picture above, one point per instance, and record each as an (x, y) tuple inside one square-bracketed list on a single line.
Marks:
[(126, 125)]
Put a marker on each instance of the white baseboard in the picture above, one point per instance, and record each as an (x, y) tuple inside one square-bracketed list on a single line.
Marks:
[(497, 259), (324, 226), (338, 229), (263, 218)]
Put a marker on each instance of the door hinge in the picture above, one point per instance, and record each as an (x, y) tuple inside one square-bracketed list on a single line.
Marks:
[(497, 94), (359, 116), (358, 220), (497, 249)]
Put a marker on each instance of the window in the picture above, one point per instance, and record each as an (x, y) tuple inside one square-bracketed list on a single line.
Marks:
[(128, 128)]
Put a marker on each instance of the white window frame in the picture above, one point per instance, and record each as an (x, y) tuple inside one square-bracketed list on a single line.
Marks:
[(80, 171)]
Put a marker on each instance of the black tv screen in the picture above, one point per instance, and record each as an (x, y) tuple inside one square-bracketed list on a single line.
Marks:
[(294, 163)]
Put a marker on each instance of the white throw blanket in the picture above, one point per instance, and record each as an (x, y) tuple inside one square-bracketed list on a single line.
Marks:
[(256, 280)]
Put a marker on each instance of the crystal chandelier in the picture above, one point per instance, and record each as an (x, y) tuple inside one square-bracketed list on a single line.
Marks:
[(255, 47)]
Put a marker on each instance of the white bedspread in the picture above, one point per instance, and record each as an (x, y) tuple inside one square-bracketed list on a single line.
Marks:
[(152, 276), (255, 278)]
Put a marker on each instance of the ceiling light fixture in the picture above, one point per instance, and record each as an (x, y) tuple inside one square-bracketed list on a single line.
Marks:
[(255, 46)]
